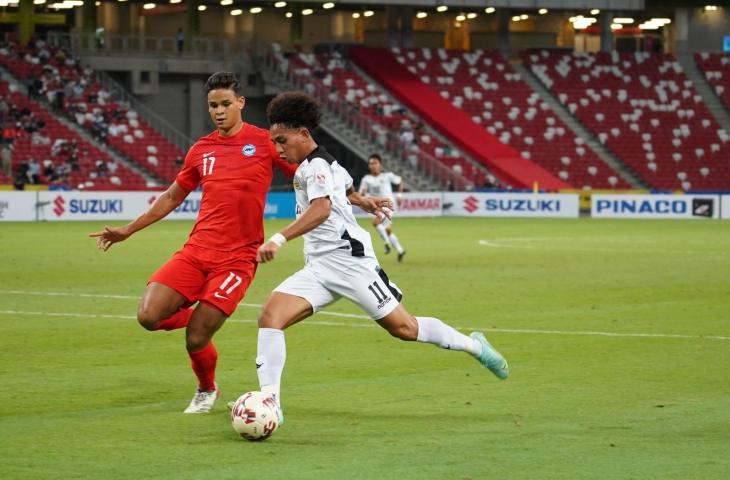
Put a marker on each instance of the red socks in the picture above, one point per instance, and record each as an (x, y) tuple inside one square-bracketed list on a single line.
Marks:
[(179, 319), (204, 362)]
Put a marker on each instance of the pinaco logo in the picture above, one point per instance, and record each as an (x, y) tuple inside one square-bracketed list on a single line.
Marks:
[(471, 204), (59, 206)]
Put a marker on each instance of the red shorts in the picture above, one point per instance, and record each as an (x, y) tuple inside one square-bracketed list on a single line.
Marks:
[(217, 278)]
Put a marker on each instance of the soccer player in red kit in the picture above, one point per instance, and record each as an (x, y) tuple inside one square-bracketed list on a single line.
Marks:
[(234, 165)]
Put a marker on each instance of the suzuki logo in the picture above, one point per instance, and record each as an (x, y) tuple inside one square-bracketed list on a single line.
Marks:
[(471, 204), (58, 205)]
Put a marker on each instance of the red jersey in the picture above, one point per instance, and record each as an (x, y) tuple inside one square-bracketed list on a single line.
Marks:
[(235, 173)]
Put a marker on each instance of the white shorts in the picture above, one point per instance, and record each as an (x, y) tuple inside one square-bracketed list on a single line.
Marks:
[(327, 278)]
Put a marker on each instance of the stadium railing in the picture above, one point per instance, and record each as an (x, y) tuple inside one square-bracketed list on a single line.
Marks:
[(424, 162), (199, 47)]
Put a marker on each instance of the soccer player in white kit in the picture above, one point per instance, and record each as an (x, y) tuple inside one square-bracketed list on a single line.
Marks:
[(338, 254), (380, 184)]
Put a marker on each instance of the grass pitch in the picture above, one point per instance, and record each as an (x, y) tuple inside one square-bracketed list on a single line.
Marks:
[(617, 332)]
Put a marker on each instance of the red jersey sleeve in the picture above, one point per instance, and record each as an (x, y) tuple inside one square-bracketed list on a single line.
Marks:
[(188, 177), (288, 169)]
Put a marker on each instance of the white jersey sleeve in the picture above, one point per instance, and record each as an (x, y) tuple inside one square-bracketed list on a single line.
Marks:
[(318, 179), (394, 179)]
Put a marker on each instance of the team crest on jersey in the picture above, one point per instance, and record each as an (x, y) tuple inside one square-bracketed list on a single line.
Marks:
[(249, 149), (321, 178)]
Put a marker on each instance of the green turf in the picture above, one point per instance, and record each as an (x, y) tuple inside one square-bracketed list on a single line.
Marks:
[(88, 396)]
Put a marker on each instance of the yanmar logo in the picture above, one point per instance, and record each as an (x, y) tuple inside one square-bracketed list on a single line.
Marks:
[(59, 206), (471, 204)]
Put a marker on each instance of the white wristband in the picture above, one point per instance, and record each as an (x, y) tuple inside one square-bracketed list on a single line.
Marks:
[(278, 239)]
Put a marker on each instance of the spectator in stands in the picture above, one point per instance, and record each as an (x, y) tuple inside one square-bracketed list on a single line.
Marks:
[(19, 179), (37, 138), (178, 161), (180, 39), (100, 169), (63, 171), (49, 172), (33, 172), (6, 154), (10, 133), (30, 86), (112, 167)]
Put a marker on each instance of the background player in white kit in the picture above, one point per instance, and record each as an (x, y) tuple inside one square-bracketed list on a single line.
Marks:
[(380, 184), (339, 258)]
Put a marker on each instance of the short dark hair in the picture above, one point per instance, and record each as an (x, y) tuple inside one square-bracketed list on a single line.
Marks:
[(376, 156), (294, 110), (225, 80)]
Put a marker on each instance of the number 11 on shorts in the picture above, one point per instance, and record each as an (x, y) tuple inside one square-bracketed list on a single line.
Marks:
[(372, 289), (232, 277)]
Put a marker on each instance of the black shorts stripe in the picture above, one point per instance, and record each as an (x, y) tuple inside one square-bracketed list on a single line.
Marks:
[(393, 289), (358, 249)]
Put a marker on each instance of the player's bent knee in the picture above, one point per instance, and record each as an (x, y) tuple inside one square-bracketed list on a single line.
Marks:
[(148, 318)]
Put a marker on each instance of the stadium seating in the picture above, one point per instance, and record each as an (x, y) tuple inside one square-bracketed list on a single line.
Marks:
[(716, 67), (644, 109), (86, 100), (391, 122), (485, 85), (454, 123), (88, 155)]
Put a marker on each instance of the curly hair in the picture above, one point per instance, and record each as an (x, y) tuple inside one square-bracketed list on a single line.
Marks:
[(224, 80), (294, 110)]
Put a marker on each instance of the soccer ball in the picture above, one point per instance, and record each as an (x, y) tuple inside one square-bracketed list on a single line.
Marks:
[(255, 416)]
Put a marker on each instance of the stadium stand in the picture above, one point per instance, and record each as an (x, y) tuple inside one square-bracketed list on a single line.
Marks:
[(453, 122), (392, 124), (644, 109), (486, 87), (46, 151), (716, 68), (53, 75)]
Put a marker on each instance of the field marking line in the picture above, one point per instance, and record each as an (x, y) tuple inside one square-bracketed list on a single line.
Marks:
[(373, 325), (525, 244), (130, 297), (134, 317)]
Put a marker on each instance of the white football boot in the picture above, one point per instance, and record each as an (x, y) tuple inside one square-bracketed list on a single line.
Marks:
[(203, 402)]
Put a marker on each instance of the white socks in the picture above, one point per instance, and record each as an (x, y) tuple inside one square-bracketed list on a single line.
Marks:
[(382, 232), (396, 243), (270, 359), (433, 330)]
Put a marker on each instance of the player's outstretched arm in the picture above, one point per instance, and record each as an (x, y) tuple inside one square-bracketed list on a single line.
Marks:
[(318, 211), (162, 206), (381, 207)]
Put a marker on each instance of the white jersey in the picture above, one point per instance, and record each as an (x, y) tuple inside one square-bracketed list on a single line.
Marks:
[(380, 186), (319, 175)]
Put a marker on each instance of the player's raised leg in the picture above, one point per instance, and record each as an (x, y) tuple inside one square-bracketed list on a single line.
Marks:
[(205, 321), (405, 326), (162, 308), (280, 311)]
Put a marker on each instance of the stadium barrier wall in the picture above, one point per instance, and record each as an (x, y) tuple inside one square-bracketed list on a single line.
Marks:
[(511, 205), (656, 206), (58, 206)]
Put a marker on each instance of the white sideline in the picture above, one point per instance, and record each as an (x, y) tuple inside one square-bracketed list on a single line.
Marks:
[(372, 325), (539, 244)]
